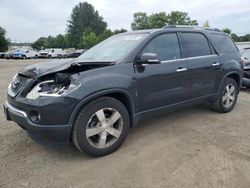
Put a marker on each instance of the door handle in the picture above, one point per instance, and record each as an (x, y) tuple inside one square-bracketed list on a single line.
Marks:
[(181, 70), (215, 64)]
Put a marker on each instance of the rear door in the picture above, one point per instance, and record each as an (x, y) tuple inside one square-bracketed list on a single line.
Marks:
[(203, 64)]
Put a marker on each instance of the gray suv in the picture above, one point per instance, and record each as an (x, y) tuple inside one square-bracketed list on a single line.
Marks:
[(93, 100)]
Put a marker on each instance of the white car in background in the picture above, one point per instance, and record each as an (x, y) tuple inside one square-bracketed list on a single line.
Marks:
[(51, 53)]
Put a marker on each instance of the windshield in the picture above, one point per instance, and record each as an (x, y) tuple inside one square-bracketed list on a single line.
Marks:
[(113, 48)]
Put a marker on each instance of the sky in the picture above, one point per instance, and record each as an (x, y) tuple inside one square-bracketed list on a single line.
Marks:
[(27, 20)]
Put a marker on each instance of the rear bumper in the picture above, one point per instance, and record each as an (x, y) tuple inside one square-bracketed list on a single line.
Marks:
[(45, 134)]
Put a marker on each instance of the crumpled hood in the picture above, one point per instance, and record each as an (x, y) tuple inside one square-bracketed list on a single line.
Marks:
[(40, 69)]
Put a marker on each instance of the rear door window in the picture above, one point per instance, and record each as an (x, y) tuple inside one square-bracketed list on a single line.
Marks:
[(165, 46), (223, 44), (194, 44)]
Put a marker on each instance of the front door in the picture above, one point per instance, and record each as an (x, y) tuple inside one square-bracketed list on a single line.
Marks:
[(162, 84)]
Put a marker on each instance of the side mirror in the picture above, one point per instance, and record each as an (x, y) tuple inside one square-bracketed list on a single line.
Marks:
[(148, 58)]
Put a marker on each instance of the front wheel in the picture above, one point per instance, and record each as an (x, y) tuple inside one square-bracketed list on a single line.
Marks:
[(101, 127), (227, 96)]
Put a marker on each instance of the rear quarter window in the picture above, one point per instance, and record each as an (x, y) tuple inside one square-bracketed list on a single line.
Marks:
[(224, 44)]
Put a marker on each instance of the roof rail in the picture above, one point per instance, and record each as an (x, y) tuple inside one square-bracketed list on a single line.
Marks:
[(191, 27)]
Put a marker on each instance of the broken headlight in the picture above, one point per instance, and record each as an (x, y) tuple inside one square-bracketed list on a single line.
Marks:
[(52, 88)]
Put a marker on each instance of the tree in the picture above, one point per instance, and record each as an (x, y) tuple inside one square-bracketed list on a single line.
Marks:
[(141, 21), (105, 34), (180, 18), (206, 24), (60, 41), (117, 31), (4, 43), (161, 19), (246, 38), (227, 30), (158, 20), (84, 17), (89, 39), (40, 43), (235, 37)]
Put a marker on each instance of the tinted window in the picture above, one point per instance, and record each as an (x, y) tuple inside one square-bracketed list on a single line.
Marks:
[(165, 46), (224, 44), (194, 44)]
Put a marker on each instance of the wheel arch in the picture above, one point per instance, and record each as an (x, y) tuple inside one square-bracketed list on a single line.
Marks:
[(236, 76), (120, 94)]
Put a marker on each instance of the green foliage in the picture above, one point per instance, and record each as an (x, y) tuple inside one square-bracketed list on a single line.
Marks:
[(60, 41), (118, 31), (83, 18), (40, 43), (89, 39), (227, 30), (104, 35), (4, 43), (161, 19), (158, 20), (180, 18), (236, 38), (141, 21), (244, 38)]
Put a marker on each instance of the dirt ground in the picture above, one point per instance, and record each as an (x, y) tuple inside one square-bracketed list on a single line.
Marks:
[(195, 147)]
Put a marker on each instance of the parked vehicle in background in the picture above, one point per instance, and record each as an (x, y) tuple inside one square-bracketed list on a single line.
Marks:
[(75, 54), (9, 54), (2, 55), (51, 53), (25, 54), (43, 54), (94, 99), (246, 63)]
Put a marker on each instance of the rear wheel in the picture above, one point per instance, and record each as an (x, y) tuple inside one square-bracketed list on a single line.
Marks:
[(101, 127), (227, 96), (24, 57)]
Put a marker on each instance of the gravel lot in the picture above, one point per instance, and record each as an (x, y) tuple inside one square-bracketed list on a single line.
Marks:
[(195, 147)]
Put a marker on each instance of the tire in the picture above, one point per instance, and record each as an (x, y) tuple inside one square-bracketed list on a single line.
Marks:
[(50, 57), (102, 142), (24, 57), (36, 56), (221, 104)]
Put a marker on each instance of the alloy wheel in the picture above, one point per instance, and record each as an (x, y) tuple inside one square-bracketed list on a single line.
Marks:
[(229, 96), (104, 128)]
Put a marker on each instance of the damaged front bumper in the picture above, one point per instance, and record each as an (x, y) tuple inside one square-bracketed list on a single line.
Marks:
[(46, 134)]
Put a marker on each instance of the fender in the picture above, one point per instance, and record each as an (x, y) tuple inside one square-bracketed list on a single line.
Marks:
[(99, 94), (230, 73)]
